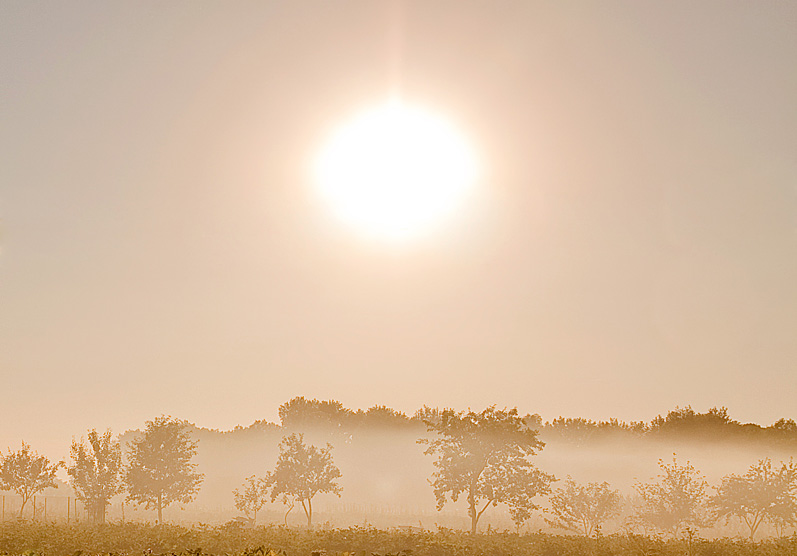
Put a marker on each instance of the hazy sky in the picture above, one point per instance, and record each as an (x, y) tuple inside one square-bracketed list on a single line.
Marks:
[(632, 245)]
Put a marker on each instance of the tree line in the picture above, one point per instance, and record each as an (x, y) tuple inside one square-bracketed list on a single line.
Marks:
[(158, 473), (484, 458), (681, 423)]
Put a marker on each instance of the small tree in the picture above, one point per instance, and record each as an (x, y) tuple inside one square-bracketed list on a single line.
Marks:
[(95, 472), (761, 494), (160, 470), (27, 473), (303, 471), (583, 508), (677, 500), (251, 498), (485, 457)]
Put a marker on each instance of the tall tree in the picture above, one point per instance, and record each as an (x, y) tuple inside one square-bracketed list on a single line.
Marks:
[(160, 471), (583, 508), (764, 493), (485, 456), (678, 499), (95, 472), (251, 497), (303, 471), (27, 473)]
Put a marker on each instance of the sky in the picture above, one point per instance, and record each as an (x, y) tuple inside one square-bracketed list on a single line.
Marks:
[(630, 246)]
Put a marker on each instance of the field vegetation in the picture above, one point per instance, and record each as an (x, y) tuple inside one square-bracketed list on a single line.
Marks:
[(510, 477), (20, 537)]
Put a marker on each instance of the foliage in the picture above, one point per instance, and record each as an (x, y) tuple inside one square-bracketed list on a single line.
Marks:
[(303, 471), (485, 456), (686, 422), (583, 508), (160, 470), (251, 498), (27, 473), (682, 424), (95, 472), (301, 414), (677, 500), (580, 431), (135, 538), (761, 494)]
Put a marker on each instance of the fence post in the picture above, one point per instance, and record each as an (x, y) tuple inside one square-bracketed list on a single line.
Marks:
[(45, 508), (34, 508), (68, 508)]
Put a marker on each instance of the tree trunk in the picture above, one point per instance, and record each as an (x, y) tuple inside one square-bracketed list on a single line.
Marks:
[(293, 502), (308, 511), (474, 516), (160, 508), (307, 514), (22, 508)]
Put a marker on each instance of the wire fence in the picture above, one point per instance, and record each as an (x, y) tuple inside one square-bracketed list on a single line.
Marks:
[(61, 509)]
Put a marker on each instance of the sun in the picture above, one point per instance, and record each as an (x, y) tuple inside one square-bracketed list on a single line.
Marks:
[(395, 171)]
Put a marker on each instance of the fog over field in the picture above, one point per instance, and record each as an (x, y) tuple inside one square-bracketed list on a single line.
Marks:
[(386, 476), (489, 272)]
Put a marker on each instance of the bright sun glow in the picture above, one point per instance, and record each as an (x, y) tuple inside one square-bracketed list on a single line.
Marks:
[(395, 171)]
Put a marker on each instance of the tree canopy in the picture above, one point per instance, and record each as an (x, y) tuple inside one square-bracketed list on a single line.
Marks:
[(677, 500), (27, 473), (583, 508), (302, 471), (764, 493), (251, 497), (95, 472), (485, 456), (160, 472)]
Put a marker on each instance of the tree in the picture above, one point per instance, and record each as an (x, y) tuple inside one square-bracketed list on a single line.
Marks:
[(95, 472), (301, 414), (678, 499), (27, 473), (251, 498), (486, 457), (762, 494), (160, 470), (303, 471), (583, 508)]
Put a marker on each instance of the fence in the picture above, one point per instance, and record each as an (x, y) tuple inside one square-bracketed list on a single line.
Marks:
[(67, 509)]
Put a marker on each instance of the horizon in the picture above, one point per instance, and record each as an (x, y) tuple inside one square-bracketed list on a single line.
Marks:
[(52, 451)]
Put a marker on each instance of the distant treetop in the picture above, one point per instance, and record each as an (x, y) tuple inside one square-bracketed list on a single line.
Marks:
[(681, 423), (302, 414)]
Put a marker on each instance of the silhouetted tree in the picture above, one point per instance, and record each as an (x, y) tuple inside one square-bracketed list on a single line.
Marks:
[(95, 472), (580, 431), (380, 417), (686, 423), (762, 494), (677, 500), (303, 414), (583, 508), (486, 457), (160, 470), (251, 497), (27, 473), (303, 471)]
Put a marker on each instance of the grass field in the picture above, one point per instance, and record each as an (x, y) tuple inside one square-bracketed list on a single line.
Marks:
[(135, 538)]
